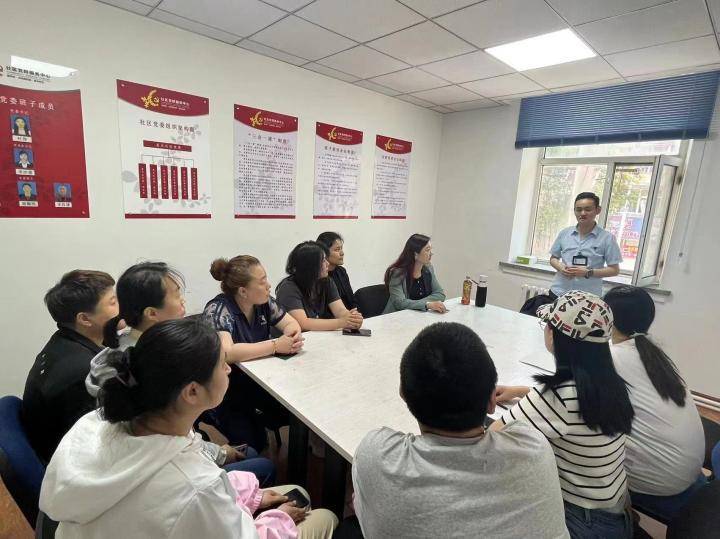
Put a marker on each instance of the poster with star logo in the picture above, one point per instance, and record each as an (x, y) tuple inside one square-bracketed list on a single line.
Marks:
[(165, 152), (338, 152), (390, 181), (265, 150), (42, 146)]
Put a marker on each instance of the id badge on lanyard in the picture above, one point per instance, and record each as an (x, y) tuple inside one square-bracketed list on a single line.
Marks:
[(580, 260)]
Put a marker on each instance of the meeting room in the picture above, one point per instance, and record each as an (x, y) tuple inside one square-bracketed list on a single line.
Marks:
[(345, 269)]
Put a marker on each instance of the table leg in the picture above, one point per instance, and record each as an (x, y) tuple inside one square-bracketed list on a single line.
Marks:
[(334, 476), (297, 452)]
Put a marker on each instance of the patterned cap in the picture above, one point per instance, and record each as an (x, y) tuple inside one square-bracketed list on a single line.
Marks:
[(577, 314)]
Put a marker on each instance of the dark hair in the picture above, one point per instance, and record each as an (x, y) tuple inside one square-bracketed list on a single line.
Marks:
[(406, 260), (233, 273), (634, 311), (23, 152), (447, 377), (328, 238), (304, 264), (78, 291), (603, 398), (139, 287), (28, 184), (166, 358), (592, 196)]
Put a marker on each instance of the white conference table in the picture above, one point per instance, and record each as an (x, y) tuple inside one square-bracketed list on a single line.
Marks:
[(342, 386)]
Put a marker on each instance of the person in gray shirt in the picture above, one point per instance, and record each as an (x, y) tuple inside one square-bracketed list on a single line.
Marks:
[(455, 479)]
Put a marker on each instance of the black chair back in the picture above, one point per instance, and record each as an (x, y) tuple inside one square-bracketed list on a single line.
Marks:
[(371, 300), (712, 437), (700, 518)]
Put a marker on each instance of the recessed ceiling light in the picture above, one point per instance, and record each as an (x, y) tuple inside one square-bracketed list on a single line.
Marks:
[(541, 51), (43, 67)]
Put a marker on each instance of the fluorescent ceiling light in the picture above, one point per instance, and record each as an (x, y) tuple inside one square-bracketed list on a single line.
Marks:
[(42, 67), (541, 51)]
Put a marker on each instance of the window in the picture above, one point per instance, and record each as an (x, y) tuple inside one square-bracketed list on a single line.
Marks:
[(638, 185)]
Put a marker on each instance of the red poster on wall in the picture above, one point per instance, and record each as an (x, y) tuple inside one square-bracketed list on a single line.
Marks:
[(42, 152)]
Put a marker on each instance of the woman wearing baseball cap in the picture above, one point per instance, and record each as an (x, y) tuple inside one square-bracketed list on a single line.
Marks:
[(584, 411)]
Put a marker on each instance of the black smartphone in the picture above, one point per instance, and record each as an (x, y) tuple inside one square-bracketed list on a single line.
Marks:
[(298, 497), (359, 332)]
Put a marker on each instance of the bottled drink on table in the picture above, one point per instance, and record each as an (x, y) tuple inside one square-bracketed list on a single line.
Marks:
[(467, 290), (481, 294)]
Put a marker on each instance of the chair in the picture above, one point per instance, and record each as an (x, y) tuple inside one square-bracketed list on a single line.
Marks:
[(712, 437), (700, 518), (716, 460), (20, 468), (371, 300)]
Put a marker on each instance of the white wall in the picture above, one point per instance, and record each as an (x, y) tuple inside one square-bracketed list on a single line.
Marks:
[(478, 185), (105, 44)]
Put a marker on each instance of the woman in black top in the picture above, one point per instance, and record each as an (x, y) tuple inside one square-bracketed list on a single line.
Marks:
[(334, 242)]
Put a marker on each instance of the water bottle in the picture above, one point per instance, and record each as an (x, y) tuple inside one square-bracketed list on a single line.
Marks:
[(467, 290), (481, 294)]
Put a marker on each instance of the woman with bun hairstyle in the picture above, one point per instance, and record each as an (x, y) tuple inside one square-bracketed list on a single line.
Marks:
[(666, 446), (149, 293), (244, 314), (136, 468)]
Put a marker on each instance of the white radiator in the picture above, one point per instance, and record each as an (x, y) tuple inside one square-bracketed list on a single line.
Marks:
[(530, 291)]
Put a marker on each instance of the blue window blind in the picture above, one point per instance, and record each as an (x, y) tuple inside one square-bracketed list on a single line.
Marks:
[(672, 108)]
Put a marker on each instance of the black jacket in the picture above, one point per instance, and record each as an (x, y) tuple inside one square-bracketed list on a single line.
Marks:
[(55, 395), (342, 282)]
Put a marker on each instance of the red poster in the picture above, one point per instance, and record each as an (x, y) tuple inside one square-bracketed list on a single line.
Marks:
[(42, 154)]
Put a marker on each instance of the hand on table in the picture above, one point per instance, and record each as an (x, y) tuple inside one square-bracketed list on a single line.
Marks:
[(437, 306), (352, 320), (289, 345), (509, 393)]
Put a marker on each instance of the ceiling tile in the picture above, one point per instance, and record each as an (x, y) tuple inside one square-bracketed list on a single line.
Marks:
[(140, 8), (415, 101), (675, 72), (334, 73), (360, 20), (433, 8), (514, 83), (441, 109), (288, 5), (570, 73), (410, 80), (301, 38), (192, 26), (496, 22), (598, 84), (363, 62), (421, 44), (580, 11), (693, 52), (250, 45), (470, 105), (675, 21), (509, 99), (376, 87), (446, 95), (238, 17), (473, 66)]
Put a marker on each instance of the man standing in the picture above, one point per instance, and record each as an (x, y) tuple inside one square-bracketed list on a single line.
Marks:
[(581, 253)]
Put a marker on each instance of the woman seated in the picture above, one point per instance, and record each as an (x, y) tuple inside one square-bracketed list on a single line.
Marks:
[(310, 296), (336, 256), (244, 315), (411, 279), (584, 411), (148, 293), (136, 469), (666, 447)]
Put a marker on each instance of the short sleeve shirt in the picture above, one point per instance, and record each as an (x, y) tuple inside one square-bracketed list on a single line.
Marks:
[(225, 315), (291, 298), (599, 246)]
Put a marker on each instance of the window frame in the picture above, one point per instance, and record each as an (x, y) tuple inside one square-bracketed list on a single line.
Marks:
[(612, 163)]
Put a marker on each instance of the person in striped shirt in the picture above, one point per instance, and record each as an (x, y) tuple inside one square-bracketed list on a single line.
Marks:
[(584, 411)]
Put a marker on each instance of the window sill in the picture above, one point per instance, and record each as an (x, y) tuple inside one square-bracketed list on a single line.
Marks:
[(546, 272)]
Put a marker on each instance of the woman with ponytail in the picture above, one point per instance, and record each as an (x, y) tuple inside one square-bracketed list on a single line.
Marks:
[(149, 293), (136, 468), (584, 411), (666, 447)]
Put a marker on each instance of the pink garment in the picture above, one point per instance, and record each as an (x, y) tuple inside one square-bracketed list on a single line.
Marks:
[(271, 524)]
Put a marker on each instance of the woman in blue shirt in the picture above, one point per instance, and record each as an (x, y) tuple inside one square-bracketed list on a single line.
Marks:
[(243, 315)]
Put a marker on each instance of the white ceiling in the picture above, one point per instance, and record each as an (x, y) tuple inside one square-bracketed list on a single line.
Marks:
[(429, 52)]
